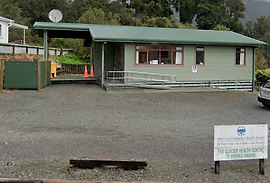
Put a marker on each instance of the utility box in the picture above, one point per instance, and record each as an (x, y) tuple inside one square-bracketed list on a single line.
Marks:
[(24, 75)]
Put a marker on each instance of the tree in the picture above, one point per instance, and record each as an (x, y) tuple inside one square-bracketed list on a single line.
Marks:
[(151, 8), (210, 13), (10, 9), (78, 7), (126, 14), (159, 22), (235, 10), (187, 9), (260, 30), (221, 28), (38, 10), (98, 16)]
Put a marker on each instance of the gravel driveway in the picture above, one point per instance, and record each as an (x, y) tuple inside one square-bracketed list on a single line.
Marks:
[(40, 131)]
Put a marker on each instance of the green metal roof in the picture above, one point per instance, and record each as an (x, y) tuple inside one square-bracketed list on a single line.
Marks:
[(114, 33)]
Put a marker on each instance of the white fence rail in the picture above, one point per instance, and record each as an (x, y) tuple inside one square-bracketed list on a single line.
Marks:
[(13, 49), (238, 85)]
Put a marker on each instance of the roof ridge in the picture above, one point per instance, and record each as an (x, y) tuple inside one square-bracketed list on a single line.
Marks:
[(141, 34)]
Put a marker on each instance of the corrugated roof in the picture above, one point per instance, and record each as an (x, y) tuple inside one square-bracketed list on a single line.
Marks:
[(12, 22), (114, 33), (6, 19)]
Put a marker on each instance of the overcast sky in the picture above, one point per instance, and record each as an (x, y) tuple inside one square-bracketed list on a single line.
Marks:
[(262, 0), (255, 0)]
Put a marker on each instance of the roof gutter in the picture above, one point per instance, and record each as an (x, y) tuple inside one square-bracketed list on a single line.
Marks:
[(176, 42)]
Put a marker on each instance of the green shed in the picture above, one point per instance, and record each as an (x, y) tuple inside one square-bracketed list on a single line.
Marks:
[(147, 56)]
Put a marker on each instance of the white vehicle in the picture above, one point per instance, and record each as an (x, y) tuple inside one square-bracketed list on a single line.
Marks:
[(264, 94)]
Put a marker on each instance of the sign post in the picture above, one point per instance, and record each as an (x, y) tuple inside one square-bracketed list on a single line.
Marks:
[(240, 142)]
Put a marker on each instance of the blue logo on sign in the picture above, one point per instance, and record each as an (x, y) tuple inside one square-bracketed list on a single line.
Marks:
[(241, 131)]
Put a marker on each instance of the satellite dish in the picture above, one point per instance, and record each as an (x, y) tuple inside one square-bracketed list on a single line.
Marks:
[(55, 15)]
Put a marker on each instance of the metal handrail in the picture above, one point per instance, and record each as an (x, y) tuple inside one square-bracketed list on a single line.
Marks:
[(139, 79)]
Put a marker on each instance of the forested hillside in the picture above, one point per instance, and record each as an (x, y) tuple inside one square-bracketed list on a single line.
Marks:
[(255, 9), (206, 14)]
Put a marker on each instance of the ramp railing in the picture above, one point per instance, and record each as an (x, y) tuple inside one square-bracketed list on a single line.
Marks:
[(139, 79)]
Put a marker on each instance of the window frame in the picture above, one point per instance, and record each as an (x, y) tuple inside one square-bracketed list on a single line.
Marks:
[(171, 49), (239, 52), (196, 49)]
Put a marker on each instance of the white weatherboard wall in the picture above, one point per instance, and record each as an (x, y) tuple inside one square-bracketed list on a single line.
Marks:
[(4, 32), (219, 64)]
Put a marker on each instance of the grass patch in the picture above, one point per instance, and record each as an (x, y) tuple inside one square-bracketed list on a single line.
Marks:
[(70, 58)]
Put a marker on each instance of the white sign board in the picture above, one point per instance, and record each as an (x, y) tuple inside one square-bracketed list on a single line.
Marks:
[(194, 68), (239, 142)]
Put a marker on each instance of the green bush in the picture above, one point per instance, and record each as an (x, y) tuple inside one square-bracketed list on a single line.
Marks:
[(261, 77), (70, 58)]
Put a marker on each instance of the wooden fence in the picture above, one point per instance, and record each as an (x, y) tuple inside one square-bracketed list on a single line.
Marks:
[(73, 69)]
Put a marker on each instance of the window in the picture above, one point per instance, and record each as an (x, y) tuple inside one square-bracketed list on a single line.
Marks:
[(240, 56), (0, 30), (199, 55), (159, 55)]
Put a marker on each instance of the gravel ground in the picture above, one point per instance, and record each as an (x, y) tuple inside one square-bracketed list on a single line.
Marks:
[(40, 131)]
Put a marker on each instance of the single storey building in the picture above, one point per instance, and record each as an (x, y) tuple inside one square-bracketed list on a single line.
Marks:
[(194, 57), (5, 23)]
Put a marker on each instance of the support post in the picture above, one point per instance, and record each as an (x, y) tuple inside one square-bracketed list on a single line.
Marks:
[(102, 66), (13, 50), (38, 76), (217, 165), (23, 36), (45, 56), (91, 53), (45, 45), (261, 166), (253, 69), (1, 75)]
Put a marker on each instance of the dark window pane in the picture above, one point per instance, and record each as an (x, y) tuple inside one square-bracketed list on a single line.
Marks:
[(199, 57), (153, 57), (237, 59), (142, 57), (164, 54), (165, 57)]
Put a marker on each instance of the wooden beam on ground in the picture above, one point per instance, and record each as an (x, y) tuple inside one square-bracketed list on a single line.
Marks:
[(19, 181), (6, 180), (127, 164)]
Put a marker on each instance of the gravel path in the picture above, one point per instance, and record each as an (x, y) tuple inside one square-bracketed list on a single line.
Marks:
[(40, 131)]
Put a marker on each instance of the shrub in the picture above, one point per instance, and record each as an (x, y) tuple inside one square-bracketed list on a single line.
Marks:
[(261, 77)]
